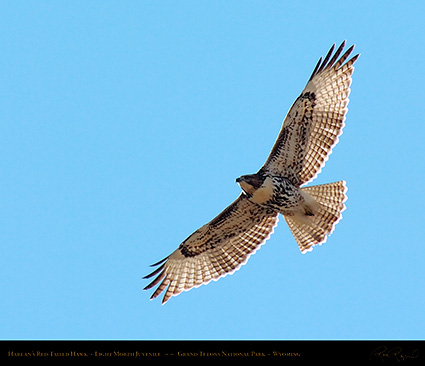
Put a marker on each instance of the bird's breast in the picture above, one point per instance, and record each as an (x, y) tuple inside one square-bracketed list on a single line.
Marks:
[(264, 193)]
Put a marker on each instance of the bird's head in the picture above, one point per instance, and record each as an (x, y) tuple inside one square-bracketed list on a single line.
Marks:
[(250, 183)]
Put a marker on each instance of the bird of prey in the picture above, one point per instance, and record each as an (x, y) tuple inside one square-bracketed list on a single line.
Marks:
[(309, 132)]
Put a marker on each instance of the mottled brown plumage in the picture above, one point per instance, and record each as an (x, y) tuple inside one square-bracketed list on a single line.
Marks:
[(309, 132), (314, 122), (216, 249)]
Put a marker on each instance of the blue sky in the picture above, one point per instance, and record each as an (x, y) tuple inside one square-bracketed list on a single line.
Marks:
[(124, 125)]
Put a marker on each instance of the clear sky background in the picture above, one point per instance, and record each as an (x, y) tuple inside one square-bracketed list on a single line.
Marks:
[(123, 128)]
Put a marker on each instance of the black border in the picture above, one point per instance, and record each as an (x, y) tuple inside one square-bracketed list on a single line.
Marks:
[(151, 352)]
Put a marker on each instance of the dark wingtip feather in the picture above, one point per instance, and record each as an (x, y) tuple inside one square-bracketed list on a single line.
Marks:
[(315, 69), (321, 63), (158, 263), (329, 62), (337, 53), (327, 57), (159, 269), (157, 279), (354, 58)]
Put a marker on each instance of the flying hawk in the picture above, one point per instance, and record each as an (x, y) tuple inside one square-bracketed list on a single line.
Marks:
[(309, 132)]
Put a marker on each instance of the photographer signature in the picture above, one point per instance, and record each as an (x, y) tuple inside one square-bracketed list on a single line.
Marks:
[(384, 353)]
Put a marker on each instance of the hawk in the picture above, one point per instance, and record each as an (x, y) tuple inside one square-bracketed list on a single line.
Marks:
[(309, 132)]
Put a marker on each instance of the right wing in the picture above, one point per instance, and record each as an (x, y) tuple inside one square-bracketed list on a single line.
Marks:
[(216, 249)]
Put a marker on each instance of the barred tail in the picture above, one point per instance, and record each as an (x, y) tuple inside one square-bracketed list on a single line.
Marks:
[(313, 229)]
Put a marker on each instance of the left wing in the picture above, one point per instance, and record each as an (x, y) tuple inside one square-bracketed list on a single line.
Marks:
[(216, 249), (315, 120)]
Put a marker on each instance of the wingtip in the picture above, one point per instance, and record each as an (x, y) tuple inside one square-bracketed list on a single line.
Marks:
[(158, 263), (355, 57), (329, 61)]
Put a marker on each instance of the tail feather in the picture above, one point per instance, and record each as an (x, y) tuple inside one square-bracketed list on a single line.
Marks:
[(312, 230)]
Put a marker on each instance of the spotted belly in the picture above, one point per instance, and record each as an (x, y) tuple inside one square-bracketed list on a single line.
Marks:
[(279, 194)]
